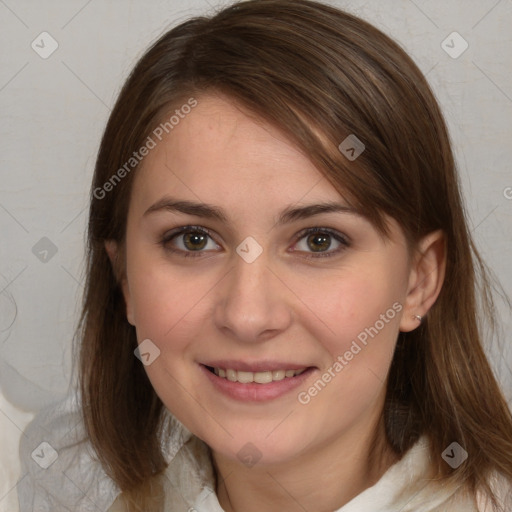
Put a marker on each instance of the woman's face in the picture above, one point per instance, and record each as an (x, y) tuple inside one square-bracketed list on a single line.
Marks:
[(243, 258)]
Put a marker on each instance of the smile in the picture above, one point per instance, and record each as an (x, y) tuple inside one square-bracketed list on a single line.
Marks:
[(263, 377), (266, 381)]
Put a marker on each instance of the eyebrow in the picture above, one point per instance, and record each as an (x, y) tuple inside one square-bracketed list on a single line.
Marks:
[(208, 211)]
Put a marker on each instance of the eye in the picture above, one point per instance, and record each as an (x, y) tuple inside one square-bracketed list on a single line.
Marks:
[(321, 242), (188, 240), (193, 241)]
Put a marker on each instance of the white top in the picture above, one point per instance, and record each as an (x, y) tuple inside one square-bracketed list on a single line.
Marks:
[(62, 474)]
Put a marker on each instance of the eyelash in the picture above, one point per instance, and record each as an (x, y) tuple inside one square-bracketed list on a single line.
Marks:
[(168, 237)]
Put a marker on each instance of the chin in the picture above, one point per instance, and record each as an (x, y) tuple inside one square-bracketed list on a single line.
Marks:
[(267, 450)]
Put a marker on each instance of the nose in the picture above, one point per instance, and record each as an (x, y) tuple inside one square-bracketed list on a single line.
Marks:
[(252, 303)]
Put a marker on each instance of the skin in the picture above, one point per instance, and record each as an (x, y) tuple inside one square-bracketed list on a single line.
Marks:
[(283, 306)]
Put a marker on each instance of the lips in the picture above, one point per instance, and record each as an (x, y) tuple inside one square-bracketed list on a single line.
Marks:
[(255, 382)]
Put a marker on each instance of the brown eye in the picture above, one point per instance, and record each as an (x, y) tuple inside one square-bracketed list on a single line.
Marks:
[(318, 242), (321, 242), (189, 241), (195, 241)]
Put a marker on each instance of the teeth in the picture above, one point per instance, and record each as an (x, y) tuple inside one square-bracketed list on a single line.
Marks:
[(245, 377), (278, 375), (263, 377), (259, 377)]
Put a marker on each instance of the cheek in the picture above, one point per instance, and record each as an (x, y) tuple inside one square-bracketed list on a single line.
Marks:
[(165, 304), (362, 312), (352, 305), (169, 311)]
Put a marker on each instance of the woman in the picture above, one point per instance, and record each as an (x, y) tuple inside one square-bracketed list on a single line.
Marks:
[(280, 310)]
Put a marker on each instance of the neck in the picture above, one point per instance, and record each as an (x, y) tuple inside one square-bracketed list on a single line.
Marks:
[(324, 479)]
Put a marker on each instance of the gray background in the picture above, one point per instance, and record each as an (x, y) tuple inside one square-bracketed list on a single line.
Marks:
[(53, 113)]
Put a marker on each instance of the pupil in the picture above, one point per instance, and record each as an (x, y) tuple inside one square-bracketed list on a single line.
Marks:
[(194, 241), (319, 242)]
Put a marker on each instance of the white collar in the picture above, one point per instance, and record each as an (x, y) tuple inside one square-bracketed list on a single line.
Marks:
[(76, 480), (404, 487)]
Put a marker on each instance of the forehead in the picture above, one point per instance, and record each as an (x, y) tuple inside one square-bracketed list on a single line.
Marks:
[(221, 150), (223, 156)]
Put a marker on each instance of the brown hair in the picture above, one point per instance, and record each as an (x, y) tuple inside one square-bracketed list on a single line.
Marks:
[(318, 74)]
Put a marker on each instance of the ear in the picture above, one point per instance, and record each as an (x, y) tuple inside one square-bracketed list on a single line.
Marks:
[(425, 279), (115, 259)]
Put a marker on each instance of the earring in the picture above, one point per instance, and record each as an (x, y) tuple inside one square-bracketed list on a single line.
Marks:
[(418, 317)]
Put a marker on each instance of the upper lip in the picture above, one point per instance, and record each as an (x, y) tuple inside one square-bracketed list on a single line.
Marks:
[(256, 366)]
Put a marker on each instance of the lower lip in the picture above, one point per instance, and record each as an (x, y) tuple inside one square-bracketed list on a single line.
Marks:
[(254, 392)]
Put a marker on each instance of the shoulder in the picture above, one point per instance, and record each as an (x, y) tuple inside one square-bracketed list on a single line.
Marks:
[(59, 465), (502, 489)]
